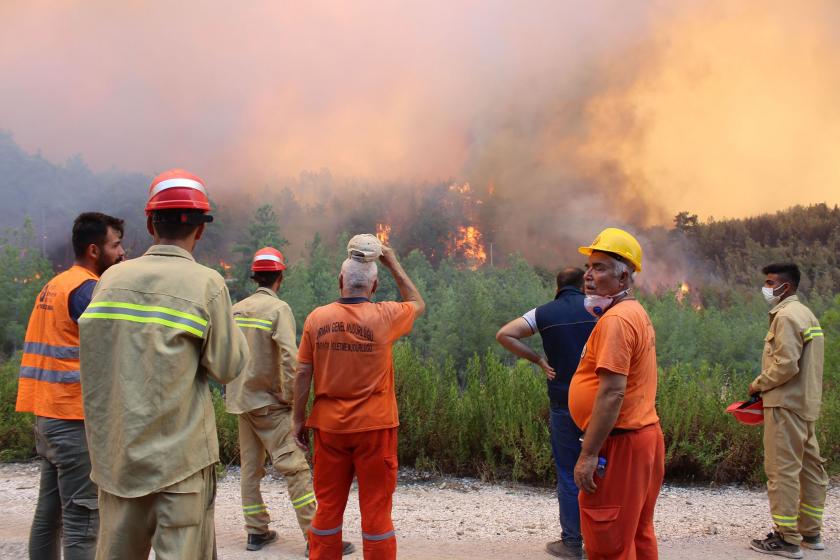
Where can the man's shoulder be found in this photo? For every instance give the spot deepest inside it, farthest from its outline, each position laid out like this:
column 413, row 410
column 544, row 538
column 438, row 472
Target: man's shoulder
column 796, row 312
column 173, row 277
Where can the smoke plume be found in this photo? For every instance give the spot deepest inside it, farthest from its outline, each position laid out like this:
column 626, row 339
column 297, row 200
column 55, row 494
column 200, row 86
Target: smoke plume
column 568, row 116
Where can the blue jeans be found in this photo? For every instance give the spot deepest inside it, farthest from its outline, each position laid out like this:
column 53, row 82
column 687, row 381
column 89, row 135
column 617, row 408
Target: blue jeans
column 565, row 446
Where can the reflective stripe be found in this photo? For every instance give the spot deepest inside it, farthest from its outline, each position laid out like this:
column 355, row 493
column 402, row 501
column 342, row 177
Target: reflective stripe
column 254, row 509
column 177, row 182
column 810, row 334
column 811, row 513
column 50, row 351
column 146, row 314
column 250, row 320
column 381, row 537
column 304, row 500
column 260, row 327
column 274, row 258
column 248, row 323
column 325, row 532
column 812, row 508
column 785, row 520
column 49, row 375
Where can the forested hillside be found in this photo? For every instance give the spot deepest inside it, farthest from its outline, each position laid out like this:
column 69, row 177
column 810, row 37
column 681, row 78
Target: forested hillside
column 466, row 405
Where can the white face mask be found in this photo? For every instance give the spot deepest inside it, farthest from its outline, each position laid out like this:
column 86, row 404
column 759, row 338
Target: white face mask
column 770, row 295
column 598, row 305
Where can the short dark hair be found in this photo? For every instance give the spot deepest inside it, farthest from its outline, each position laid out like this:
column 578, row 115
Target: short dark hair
column 266, row 278
column 92, row 228
column 570, row 277
column 171, row 224
column 788, row 271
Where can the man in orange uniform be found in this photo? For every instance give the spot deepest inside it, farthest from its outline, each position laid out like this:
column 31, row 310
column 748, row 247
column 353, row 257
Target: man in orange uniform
column 612, row 399
column 346, row 347
column 49, row 386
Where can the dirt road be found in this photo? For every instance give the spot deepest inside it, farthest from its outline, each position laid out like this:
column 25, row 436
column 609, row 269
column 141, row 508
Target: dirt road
column 447, row 518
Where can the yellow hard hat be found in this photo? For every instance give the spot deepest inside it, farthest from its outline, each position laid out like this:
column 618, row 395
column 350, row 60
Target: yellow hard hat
column 618, row 242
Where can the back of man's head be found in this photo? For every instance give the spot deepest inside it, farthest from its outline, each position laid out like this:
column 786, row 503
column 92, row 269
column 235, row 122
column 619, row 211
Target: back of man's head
column 92, row 228
column 787, row 272
column 570, row 276
column 358, row 277
column 176, row 225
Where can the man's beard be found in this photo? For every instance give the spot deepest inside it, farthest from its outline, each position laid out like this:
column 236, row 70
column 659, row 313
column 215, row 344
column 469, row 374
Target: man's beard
column 103, row 264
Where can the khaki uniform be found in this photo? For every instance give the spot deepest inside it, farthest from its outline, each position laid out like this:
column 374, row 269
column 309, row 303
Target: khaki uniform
column 791, row 389
column 262, row 398
column 158, row 328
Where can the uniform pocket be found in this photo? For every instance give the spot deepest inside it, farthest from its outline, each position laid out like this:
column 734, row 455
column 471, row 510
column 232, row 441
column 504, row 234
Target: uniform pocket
column 180, row 505
column 603, row 524
column 391, row 464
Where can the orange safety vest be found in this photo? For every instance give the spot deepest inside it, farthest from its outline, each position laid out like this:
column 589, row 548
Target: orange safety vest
column 49, row 383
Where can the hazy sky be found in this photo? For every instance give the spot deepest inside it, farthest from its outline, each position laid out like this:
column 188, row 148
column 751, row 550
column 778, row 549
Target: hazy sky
column 628, row 110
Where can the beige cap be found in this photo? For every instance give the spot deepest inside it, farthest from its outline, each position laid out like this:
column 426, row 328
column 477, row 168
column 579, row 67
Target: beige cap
column 364, row 247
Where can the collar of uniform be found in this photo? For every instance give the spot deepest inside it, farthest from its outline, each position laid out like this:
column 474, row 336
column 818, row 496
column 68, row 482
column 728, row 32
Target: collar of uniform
column 567, row 289
column 352, row 300
column 169, row 251
column 268, row 291
column 781, row 304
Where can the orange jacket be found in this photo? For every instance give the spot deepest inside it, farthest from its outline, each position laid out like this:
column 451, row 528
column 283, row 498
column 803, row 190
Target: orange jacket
column 49, row 383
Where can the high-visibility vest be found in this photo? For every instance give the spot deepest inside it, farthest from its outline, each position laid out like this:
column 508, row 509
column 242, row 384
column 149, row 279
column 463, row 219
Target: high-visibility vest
column 49, row 382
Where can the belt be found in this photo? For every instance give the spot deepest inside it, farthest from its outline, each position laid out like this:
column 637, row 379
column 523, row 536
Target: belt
column 616, row 432
column 622, row 431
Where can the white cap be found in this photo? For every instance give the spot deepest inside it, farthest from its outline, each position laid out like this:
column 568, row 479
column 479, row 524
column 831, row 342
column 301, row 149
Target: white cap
column 364, row 247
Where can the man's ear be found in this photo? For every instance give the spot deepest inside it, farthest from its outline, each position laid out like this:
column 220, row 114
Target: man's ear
column 341, row 282
column 199, row 231
column 375, row 285
column 149, row 227
column 93, row 251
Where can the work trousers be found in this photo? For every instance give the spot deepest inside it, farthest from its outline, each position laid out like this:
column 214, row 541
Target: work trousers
column 269, row 429
column 565, row 446
column 67, row 507
column 372, row 457
column 796, row 477
column 617, row 519
column 177, row 521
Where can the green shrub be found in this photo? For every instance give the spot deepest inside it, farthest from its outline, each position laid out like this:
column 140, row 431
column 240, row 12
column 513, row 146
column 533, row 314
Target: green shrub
column 228, row 429
column 17, row 440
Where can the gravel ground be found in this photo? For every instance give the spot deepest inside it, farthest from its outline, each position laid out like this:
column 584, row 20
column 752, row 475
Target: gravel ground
column 459, row 518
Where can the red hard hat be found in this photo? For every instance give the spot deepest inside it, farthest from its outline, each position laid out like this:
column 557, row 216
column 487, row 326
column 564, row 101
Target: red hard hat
column 177, row 189
column 268, row 259
column 749, row 412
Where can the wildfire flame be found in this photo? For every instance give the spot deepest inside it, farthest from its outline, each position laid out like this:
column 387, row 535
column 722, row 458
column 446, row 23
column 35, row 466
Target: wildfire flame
column 33, row 278
column 383, row 233
column 469, row 244
column 461, row 189
column 694, row 297
column 683, row 291
column 226, row 267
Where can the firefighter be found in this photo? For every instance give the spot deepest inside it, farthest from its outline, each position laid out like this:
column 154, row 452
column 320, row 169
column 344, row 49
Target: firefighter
column 346, row 349
column 262, row 399
column 612, row 398
column 66, row 515
column 790, row 385
column 158, row 329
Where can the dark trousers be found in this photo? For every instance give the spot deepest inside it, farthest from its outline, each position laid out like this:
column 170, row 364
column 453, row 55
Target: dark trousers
column 565, row 446
column 67, row 514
